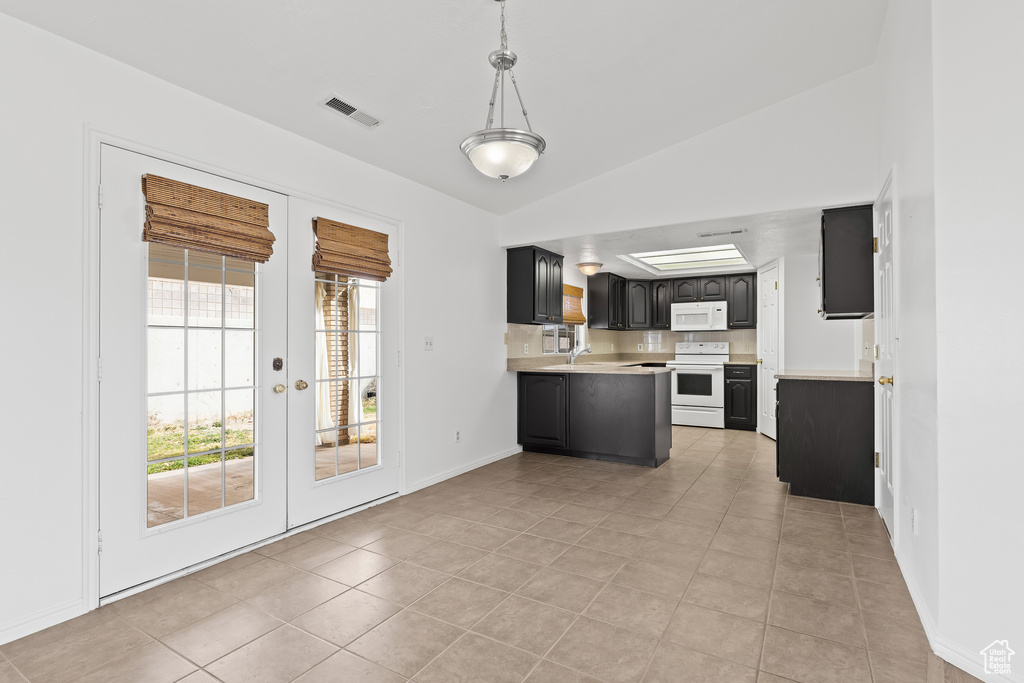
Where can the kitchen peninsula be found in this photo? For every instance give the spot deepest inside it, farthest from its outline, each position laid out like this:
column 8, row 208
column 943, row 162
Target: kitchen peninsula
column 613, row 411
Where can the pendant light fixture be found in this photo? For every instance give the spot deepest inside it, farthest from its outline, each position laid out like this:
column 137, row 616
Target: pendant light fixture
column 503, row 152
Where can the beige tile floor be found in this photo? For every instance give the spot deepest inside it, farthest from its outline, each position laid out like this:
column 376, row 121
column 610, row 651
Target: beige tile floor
column 536, row 568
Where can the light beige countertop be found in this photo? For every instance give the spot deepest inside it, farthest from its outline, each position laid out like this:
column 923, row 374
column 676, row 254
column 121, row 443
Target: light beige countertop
column 741, row 362
column 827, row 375
column 600, row 368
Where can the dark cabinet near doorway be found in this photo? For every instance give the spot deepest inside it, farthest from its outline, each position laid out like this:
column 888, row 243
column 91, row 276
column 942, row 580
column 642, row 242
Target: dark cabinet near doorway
column 638, row 304
column 741, row 295
column 661, row 304
column 534, row 286
column 607, row 307
column 543, row 409
column 826, row 437
column 740, row 397
column 846, row 271
column 709, row 288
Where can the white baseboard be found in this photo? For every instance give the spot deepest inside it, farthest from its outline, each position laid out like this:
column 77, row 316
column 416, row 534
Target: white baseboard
column 955, row 654
column 19, row 628
column 456, row 471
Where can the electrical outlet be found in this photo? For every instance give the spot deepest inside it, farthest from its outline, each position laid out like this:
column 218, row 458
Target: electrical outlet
column 913, row 520
column 526, row 349
column 428, row 343
column 639, row 347
column 458, row 436
column 506, row 339
column 613, row 347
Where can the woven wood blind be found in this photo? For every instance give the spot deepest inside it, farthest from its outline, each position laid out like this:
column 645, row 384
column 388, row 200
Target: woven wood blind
column 192, row 217
column 350, row 251
column 572, row 305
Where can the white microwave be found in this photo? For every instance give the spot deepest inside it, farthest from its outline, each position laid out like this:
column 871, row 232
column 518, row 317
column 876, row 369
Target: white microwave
column 699, row 316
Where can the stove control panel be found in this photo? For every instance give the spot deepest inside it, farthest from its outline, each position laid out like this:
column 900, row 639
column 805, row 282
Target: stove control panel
column 700, row 348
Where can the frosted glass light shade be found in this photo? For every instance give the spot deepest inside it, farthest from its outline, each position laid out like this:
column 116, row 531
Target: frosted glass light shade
column 503, row 152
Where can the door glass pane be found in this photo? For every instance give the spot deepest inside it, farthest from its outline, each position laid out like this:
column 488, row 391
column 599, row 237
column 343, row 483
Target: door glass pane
column 165, row 493
column 346, row 349
column 200, row 379
column 204, row 356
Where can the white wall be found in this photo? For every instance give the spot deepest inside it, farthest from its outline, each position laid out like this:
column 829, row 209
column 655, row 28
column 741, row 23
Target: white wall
column 454, row 286
column 979, row 225
column 818, row 148
column 905, row 70
column 810, row 342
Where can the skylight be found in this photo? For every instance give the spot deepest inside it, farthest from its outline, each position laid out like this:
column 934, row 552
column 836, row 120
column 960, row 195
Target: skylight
column 698, row 257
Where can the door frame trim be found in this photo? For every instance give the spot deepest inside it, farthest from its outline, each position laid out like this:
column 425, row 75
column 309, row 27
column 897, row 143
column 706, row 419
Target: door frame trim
column 94, row 137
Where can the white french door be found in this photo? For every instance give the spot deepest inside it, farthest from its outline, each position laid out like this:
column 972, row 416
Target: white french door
column 343, row 336
column 208, row 440
column 192, row 436
column 886, row 345
column 767, row 347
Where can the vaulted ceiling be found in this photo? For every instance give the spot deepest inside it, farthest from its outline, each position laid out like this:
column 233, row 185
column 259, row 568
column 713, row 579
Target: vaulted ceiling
column 606, row 82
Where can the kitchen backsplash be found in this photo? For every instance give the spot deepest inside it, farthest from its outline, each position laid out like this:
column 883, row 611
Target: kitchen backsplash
column 524, row 341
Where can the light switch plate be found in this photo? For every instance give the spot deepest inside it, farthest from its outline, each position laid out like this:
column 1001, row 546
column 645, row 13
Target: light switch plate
column 428, row 343
column 526, row 349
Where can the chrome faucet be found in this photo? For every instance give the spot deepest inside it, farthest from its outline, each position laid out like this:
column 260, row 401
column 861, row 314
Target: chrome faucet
column 576, row 353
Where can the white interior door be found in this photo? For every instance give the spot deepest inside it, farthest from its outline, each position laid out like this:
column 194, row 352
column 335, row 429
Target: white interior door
column 192, row 436
column 886, row 345
column 767, row 347
column 343, row 338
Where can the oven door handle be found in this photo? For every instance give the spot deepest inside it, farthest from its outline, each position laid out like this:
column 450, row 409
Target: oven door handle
column 712, row 368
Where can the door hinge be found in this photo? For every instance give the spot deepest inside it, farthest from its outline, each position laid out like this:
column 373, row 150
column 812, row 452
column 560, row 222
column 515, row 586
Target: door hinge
column 399, row 358
column 876, row 458
column 776, row 284
column 99, row 194
column 99, row 543
column 874, row 242
column 876, row 351
column 99, row 369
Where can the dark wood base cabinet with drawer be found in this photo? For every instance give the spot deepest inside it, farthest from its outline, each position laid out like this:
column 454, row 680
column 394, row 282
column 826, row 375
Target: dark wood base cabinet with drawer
column 826, row 439
column 614, row 417
column 740, row 397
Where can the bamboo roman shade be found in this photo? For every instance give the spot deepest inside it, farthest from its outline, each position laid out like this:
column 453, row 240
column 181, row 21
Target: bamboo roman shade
column 350, row 251
column 193, row 217
column 572, row 305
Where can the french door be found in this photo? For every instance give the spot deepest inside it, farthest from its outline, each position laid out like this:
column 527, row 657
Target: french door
column 206, row 438
column 343, row 340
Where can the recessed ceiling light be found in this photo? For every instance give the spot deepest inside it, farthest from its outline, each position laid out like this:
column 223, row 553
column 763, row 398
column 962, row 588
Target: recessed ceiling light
column 719, row 256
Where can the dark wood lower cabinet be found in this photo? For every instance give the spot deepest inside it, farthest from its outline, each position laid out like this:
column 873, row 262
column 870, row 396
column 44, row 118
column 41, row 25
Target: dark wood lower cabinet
column 542, row 408
column 614, row 417
column 741, row 397
column 826, row 439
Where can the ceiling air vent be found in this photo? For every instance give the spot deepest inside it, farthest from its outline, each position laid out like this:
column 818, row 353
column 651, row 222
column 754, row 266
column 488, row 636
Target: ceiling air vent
column 723, row 232
column 339, row 105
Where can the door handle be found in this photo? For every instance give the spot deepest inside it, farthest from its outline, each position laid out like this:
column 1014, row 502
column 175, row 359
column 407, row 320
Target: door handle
column 886, row 380
column 301, row 384
column 280, row 388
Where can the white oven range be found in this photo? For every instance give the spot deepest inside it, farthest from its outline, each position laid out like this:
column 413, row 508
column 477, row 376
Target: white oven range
column 698, row 384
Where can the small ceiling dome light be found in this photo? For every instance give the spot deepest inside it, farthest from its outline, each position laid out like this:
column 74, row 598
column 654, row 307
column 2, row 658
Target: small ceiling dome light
column 503, row 152
column 589, row 268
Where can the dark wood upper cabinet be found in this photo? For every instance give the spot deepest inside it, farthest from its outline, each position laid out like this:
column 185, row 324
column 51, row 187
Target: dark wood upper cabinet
column 741, row 295
column 607, row 305
column 638, row 299
column 686, row 290
column 846, row 269
column 713, row 288
column 661, row 304
column 534, row 286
